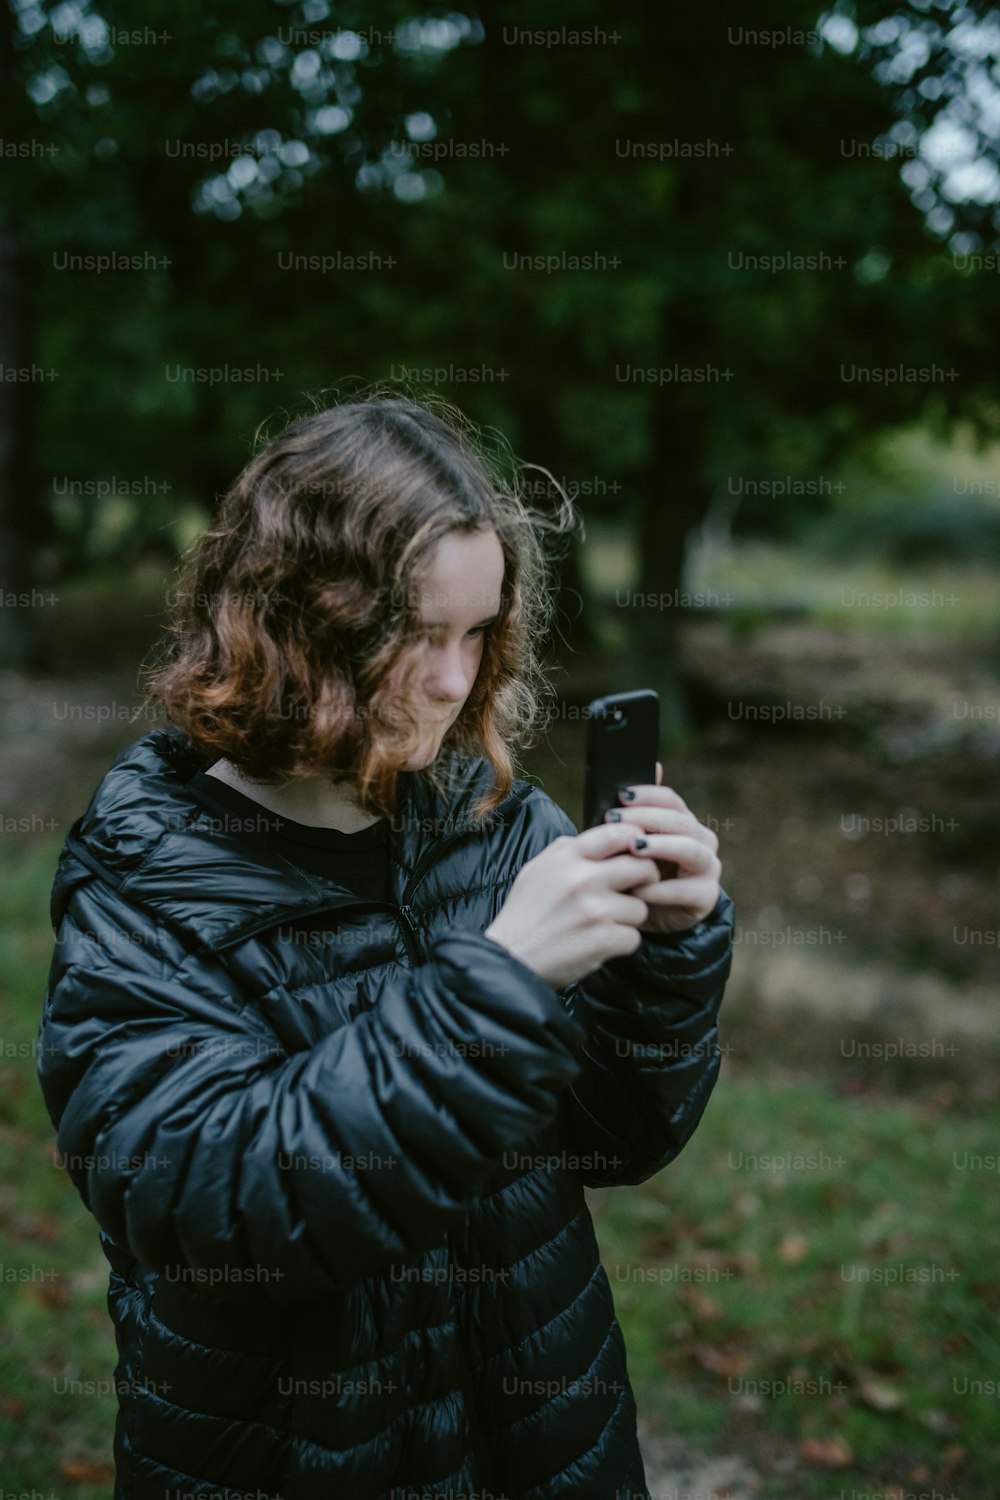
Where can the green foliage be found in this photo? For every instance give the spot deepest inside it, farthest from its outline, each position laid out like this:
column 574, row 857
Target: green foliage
column 949, row 529
column 563, row 167
column 56, row 1329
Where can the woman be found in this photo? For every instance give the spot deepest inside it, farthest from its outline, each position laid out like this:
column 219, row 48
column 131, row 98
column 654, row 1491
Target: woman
column 343, row 1016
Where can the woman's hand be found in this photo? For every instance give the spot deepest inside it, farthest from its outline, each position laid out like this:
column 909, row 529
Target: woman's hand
column 678, row 840
column 573, row 906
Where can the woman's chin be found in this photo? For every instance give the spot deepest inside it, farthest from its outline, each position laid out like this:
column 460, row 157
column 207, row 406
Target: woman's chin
column 427, row 751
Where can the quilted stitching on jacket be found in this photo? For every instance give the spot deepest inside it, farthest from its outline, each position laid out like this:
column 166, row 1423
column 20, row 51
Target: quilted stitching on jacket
column 296, row 1318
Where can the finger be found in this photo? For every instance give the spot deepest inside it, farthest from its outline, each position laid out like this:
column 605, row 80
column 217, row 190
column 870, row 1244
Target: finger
column 628, row 908
column 664, row 820
column 692, row 891
column 660, row 796
column 693, row 857
column 608, row 838
column 624, row 871
column 659, row 773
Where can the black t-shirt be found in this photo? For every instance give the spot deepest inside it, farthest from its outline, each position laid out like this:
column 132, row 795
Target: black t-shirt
column 359, row 861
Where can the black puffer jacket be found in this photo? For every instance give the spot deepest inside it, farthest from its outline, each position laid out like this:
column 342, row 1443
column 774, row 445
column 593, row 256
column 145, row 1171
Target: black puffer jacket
column 337, row 1149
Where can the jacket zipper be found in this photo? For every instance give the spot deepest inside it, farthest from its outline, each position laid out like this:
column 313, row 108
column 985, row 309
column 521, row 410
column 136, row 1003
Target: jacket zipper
column 407, row 926
column 434, row 852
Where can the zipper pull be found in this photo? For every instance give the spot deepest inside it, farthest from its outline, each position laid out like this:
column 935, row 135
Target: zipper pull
column 410, row 934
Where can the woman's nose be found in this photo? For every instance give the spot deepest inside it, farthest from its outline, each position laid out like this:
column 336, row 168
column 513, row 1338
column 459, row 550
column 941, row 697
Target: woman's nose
column 449, row 681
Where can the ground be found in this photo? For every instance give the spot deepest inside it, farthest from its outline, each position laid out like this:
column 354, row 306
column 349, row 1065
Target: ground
column 873, row 930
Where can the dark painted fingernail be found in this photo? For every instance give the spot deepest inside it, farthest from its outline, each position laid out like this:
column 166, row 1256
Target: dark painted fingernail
column 614, row 817
column 627, row 793
column 641, row 843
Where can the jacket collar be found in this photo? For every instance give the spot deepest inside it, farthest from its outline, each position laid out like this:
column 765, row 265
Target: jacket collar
column 145, row 834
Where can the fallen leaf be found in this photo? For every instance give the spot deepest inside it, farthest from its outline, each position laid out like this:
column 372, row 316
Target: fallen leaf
column 937, row 1101
column 880, row 1396
column 723, row 1261
column 82, row 1469
column 658, row 1246
column 831, row 1453
column 939, row 1422
column 700, row 1303
column 54, row 1294
column 722, row 1361
column 793, row 1249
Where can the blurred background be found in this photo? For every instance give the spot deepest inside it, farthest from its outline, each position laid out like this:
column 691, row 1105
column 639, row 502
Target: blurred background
column 730, row 276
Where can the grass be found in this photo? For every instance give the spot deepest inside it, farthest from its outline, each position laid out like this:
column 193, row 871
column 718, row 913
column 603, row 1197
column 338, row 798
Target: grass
column 827, row 1269
column 56, row 1330
column 728, row 1270
column 858, row 595
column 904, row 478
column 950, row 601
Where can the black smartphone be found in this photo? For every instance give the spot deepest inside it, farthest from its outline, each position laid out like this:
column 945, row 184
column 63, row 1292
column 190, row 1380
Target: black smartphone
column 623, row 735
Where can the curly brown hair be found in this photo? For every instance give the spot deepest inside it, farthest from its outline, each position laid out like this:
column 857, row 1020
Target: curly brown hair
column 294, row 606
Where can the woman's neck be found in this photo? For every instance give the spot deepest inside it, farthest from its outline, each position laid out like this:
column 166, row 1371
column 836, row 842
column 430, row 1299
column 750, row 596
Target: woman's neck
column 313, row 800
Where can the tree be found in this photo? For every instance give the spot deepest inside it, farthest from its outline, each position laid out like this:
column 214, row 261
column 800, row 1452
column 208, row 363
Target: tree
column 751, row 238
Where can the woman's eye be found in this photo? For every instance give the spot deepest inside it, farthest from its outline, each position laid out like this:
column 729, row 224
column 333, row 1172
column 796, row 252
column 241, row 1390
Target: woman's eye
column 428, row 635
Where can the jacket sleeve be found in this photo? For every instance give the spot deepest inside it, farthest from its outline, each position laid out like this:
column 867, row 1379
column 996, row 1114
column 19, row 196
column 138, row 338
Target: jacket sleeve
column 216, row 1157
column 651, row 1057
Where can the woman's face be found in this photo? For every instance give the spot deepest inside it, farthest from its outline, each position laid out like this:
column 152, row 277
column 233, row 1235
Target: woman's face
column 457, row 596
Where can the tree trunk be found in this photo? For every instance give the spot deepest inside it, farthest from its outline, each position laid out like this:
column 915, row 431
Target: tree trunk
column 573, row 625
column 675, row 501
column 22, row 638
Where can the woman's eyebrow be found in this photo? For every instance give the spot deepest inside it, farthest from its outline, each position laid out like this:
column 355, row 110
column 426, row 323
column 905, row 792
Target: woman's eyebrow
column 441, row 624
